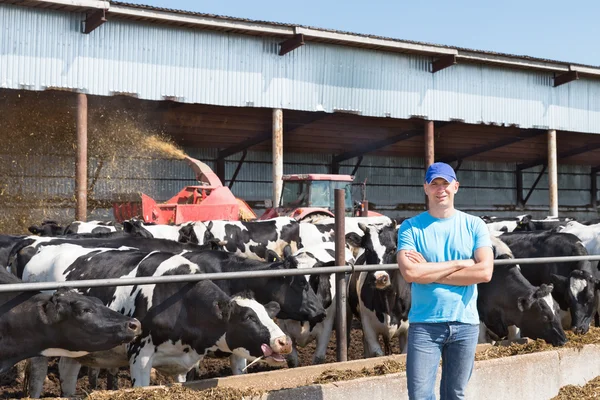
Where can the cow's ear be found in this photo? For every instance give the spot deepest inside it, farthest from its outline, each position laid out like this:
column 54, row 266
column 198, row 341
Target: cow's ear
column 560, row 282
column 127, row 226
column 524, row 303
column 222, row 310
column 526, row 218
column 271, row 256
column 34, row 229
column 353, row 239
column 209, row 226
column 272, row 309
column 363, row 227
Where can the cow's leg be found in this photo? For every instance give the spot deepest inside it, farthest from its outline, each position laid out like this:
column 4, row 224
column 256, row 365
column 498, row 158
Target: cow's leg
column 483, row 335
column 514, row 332
column 370, row 336
column 68, row 369
column 112, row 379
column 325, row 336
column 140, row 364
column 35, row 374
column 237, row 364
column 292, row 358
column 93, row 377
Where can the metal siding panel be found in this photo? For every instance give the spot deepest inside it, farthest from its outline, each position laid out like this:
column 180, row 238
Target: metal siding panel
column 44, row 48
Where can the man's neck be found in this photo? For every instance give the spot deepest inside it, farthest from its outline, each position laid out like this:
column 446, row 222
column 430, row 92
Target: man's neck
column 441, row 212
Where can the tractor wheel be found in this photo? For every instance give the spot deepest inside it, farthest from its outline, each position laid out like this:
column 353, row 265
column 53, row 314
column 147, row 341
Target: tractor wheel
column 314, row 217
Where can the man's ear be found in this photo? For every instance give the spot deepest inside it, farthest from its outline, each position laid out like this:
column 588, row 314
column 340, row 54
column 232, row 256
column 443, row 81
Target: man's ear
column 456, row 185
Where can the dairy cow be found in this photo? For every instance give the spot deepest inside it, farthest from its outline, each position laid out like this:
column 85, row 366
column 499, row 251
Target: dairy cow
column 181, row 321
column 380, row 299
column 575, row 283
column 250, row 239
column 510, row 306
column 58, row 324
column 304, row 331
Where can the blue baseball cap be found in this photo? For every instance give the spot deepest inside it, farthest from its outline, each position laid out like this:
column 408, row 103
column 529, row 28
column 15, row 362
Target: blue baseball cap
column 440, row 170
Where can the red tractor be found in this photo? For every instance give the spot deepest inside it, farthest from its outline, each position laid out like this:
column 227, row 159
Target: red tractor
column 311, row 197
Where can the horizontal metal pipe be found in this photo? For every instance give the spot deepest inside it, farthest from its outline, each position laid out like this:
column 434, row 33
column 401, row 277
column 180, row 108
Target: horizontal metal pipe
column 150, row 280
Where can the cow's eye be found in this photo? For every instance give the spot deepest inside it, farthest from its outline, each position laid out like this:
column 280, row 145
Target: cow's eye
column 249, row 317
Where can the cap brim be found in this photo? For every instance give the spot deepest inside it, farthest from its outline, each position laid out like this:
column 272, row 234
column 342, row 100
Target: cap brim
column 447, row 178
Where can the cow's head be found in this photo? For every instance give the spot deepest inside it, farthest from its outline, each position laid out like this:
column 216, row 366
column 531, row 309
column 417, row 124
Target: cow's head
column 525, row 224
column 371, row 248
column 73, row 322
column 187, row 234
column 540, row 317
column 251, row 332
column 579, row 292
column 135, row 227
column 293, row 293
column 321, row 284
column 47, row 228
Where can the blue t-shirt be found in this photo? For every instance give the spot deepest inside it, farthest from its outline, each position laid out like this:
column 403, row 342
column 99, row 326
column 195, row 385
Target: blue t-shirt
column 446, row 239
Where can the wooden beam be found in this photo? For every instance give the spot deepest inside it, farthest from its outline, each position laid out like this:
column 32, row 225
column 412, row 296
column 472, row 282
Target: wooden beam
column 523, row 135
column 565, row 78
column 443, row 63
column 537, row 180
column 237, row 169
column 263, row 137
column 291, row 44
column 93, row 21
column 361, row 150
column 561, row 155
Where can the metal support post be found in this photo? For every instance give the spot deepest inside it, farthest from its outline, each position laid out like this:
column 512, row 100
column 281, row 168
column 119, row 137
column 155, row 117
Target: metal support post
column 277, row 155
column 81, row 159
column 552, row 174
column 340, row 277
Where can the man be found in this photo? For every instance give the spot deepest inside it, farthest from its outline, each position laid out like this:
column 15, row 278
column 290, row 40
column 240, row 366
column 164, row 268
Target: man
column 444, row 253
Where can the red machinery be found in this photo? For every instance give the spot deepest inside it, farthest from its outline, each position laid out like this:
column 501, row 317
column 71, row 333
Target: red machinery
column 208, row 201
column 310, row 197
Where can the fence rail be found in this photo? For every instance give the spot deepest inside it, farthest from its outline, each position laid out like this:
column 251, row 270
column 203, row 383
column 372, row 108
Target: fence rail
column 151, row 280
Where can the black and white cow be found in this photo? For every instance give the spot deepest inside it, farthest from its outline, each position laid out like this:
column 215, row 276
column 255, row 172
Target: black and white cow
column 503, row 224
column 380, row 300
column 529, row 224
column 27, row 247
column 588, row 234
column 47, row 228
column 181, row 322
column 58, row 324
column 6, row 244
column 575, row 283
column 510, row 306
column 92, row 227
column 252, row 239
column 304, row 332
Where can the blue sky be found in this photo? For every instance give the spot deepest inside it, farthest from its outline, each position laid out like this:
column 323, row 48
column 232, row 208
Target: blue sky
column 562, row 31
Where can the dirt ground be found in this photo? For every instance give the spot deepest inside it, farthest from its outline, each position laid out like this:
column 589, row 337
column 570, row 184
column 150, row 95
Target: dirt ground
column 11, row 384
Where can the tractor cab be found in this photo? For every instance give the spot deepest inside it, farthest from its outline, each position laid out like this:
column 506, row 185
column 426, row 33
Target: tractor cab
column 310, row 197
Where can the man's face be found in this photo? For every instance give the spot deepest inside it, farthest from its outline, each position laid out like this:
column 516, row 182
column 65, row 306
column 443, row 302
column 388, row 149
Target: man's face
column 441, row 192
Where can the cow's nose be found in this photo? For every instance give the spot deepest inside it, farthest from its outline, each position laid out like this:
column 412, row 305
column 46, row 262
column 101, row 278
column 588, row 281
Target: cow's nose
column 135, row 326
column 283, row 345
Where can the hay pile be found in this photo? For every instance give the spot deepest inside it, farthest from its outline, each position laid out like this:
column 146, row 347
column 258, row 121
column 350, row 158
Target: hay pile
column 336, row 375
column 571, row 392
column 175, row 392
column 575, row 341
column 37, row 160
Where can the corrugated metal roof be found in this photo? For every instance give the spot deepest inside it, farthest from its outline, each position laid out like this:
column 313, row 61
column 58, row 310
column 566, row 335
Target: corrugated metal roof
column 44, row 49
column 291, row 25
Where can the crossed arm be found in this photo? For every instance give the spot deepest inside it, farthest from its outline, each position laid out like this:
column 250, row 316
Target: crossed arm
column 415, row 268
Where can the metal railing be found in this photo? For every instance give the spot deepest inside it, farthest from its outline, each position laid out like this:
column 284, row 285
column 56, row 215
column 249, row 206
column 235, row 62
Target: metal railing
column 151, row 280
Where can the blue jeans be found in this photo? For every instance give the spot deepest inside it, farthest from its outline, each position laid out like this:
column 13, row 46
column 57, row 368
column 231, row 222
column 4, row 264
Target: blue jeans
column 455, row 343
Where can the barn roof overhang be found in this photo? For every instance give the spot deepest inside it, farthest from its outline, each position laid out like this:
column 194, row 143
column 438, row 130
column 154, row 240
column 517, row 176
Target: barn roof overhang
column 298, row 34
